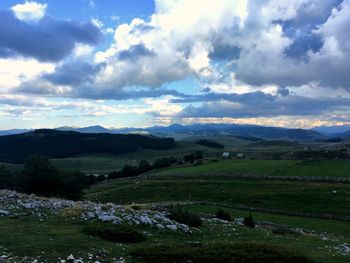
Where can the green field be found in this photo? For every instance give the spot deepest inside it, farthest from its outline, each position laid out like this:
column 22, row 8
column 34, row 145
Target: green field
column 203, row 189
column 324, row 168
column 99, row 163
column 57, row 237
column 317, row 198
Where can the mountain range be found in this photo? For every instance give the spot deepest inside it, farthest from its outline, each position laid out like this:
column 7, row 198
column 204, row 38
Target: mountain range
column 177, row 130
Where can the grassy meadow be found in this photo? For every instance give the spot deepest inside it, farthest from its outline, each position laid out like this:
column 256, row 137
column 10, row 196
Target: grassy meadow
column 203, row 189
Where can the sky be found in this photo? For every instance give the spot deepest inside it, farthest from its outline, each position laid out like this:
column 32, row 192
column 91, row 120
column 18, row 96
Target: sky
column 140, row 63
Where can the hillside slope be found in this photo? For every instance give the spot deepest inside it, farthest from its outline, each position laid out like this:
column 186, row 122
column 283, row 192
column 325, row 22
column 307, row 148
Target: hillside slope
column 60, row 144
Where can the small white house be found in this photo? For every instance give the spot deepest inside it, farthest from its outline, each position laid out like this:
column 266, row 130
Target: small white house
column 226, row 155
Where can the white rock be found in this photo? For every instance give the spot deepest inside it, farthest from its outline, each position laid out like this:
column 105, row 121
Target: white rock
column 70, row 257
column 4, row 212
column 172, row 227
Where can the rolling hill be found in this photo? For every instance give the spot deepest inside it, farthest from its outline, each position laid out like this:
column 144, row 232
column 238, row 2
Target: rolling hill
column 181, row 131
column 60, row 144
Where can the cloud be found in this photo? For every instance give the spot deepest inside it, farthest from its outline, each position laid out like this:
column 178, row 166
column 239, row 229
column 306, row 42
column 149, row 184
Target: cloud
column 47, row 40
column 30, row 11
column 259, row 104
column 73, row 73
column 255, row 58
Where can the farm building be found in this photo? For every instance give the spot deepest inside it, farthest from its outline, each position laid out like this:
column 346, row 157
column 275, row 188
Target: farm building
column 226, row 155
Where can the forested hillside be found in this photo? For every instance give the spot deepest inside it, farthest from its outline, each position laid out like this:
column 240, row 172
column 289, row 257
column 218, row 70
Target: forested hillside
column 60, row 144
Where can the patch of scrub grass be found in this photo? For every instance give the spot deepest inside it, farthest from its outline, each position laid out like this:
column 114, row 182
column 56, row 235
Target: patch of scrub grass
column 220, row 253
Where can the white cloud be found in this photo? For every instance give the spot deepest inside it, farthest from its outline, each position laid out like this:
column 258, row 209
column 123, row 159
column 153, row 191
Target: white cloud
column 15, row 71
column 82, row 50
column 30, row 11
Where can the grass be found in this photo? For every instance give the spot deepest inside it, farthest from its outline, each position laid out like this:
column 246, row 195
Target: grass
column 341, row 229
column 102, row 164
column 58, row 236
column 220, row 253
column 317, row 198
column 324, row 168
column 115, row 233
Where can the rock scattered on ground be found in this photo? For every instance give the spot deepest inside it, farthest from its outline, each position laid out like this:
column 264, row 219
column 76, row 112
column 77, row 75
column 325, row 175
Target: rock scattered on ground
column 15, row 204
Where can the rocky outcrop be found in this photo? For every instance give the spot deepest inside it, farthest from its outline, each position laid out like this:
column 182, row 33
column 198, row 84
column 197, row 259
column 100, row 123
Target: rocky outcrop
column 15, row 204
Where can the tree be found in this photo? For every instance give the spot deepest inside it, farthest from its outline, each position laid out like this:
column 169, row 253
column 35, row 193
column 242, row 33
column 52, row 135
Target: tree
column 144, row 166
column 198, row 155
column 40, row 176
column 71, row 184
column 6, row 180
column 162, row 163
column 189, row 158
column 249, row 221
column 128, row 170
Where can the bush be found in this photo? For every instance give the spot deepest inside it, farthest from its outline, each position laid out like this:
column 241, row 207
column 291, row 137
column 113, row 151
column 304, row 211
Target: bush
column 136, row 207
column 6, row 179
column 249, row 221
column 114, row 175
column 184, row 217
column 71, row 184
column 224, row 215
column 283, row 231
column 162, row 163
column 144, row 166
column 219, row 253
column 129, row 171
column 198, row 155
column 189, row 158
column 115, row 233
column 40, row 176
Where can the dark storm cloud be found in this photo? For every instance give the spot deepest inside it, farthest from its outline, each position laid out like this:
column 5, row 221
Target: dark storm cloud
column 47, row 40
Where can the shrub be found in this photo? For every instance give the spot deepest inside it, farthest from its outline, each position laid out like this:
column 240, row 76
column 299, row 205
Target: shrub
column 283, row 231
column 136, row 207
column 224, row 215
column 249, row 221
column 184, row 217
column 129, row 171
column 115, row 233
column 6, row 179
column 219, row 253
column 162, row 163
column 40, row 176
column 189, row 158
column 115, row 175
column 71, row 184
column 198, row 155
column 144, row 166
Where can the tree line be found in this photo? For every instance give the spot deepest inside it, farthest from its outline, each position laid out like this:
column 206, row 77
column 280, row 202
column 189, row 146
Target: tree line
column 41, row 177
column 144, row 166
